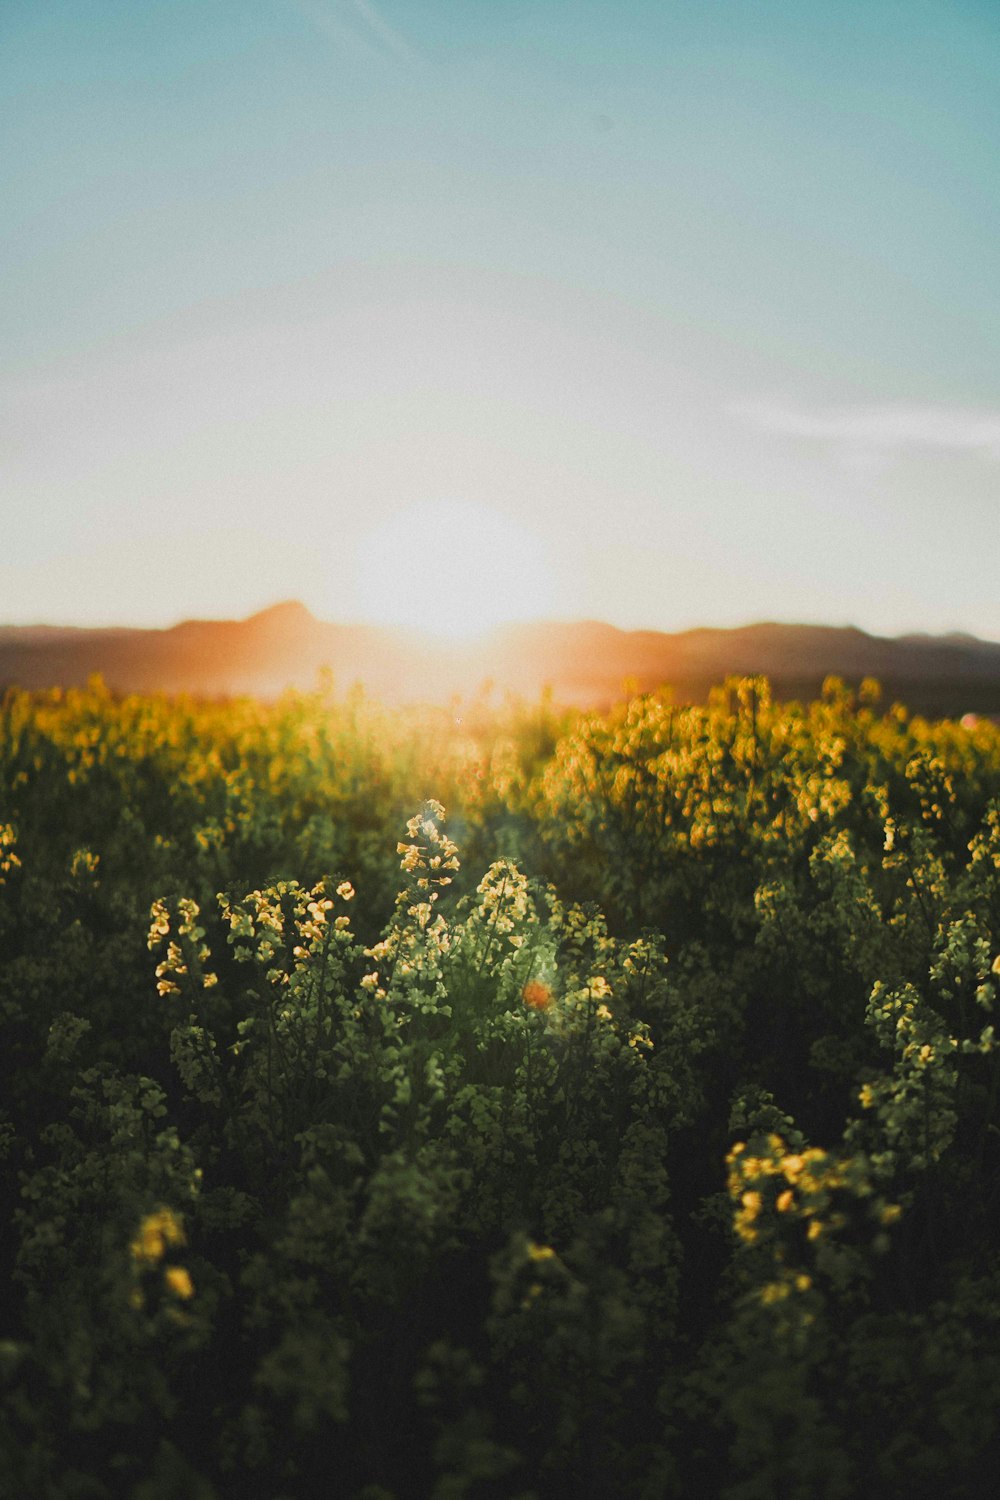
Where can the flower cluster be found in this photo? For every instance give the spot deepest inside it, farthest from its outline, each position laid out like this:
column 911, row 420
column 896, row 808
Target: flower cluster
column 160, row 1233
column 412, row 951
column 187, row 952
column 8, row 859
column 804, row 1203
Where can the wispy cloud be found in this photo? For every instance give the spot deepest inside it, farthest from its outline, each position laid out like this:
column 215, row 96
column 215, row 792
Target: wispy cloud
column 386, row 34
column 357, row 26
column 881, row 428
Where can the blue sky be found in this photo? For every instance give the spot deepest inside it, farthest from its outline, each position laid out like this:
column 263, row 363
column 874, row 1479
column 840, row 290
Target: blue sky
column 699, row 301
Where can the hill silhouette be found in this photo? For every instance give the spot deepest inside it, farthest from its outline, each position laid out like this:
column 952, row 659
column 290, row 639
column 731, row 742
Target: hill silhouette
column 583, row 663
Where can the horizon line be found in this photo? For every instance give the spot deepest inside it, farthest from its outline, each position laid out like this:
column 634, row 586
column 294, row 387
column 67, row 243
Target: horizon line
column 477, row 637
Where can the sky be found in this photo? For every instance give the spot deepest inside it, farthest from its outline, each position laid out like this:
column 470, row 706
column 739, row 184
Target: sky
column 661, row 312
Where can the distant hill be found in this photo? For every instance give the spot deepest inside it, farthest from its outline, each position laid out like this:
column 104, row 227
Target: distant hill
column 584, row 663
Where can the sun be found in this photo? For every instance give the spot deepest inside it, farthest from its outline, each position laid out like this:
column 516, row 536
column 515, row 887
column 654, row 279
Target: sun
column 454, row 569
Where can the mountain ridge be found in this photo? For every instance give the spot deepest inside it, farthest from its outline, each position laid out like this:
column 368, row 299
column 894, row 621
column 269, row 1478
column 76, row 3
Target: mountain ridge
column 584, row 662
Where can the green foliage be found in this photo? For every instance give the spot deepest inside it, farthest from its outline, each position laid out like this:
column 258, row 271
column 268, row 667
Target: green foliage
column 633, row 1131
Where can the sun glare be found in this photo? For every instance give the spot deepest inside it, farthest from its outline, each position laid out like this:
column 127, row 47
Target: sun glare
column 452, row 569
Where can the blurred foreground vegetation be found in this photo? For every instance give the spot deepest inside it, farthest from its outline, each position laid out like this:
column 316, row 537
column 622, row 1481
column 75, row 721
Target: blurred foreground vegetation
column 498, row 1104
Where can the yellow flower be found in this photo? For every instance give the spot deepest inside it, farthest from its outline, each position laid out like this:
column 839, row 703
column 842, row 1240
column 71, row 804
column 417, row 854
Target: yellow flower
column 540, row 1252
column 774, row 1291
column 179, row 1282
column 157, row 1232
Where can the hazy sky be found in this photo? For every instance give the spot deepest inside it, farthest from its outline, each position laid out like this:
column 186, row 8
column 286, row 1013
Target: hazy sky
column 691, row 310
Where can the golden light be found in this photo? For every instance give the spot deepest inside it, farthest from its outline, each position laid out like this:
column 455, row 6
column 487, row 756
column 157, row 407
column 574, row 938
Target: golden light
column 453, row 569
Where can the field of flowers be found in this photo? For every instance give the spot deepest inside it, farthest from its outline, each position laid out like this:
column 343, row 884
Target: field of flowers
column 512, row 1106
